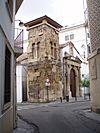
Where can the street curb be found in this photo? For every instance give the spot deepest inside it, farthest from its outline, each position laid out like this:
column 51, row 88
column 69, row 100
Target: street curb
column 91, row 115
column 87, row 113
column 35, row 127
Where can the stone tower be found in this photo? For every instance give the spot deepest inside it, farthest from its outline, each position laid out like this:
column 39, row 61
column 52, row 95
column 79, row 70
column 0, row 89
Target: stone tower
column 44, row 64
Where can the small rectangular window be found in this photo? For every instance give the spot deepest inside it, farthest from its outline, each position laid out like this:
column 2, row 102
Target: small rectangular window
column 71, row 36
column 66, row 37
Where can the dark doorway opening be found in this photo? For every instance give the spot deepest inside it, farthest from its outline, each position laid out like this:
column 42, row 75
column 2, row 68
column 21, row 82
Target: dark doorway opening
column 73, row 83
column 24, row 91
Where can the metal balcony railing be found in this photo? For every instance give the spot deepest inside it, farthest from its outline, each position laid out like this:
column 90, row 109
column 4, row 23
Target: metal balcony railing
column 18, row 42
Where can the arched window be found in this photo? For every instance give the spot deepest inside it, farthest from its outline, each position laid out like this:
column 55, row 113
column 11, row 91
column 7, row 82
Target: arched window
column 33, row 50
column 55, row 52
column 38, row 51
column 51, row 48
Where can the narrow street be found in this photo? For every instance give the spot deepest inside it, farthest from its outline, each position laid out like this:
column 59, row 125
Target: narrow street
column 73, row 117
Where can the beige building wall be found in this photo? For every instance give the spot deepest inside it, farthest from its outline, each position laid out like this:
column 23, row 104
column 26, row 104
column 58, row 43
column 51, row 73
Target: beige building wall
column 94, row 58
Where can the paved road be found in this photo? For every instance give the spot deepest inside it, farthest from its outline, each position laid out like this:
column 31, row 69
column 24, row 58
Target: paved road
column 61, row 118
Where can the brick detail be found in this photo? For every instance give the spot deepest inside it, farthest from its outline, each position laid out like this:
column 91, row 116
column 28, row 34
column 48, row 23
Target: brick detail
column 94, row 22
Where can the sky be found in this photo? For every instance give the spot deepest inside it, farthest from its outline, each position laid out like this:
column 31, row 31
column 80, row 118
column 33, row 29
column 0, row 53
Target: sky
column 65, row 12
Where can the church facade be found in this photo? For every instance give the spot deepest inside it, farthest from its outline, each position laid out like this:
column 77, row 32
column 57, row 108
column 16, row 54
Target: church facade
column 71, row 75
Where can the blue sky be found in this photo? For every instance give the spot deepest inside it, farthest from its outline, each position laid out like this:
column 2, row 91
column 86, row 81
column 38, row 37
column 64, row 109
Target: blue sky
column 65, row 12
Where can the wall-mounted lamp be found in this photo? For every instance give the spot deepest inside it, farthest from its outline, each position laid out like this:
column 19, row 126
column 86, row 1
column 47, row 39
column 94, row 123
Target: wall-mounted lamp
column 20, row 23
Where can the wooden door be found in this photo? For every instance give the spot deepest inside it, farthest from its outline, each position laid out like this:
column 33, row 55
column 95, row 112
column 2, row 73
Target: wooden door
column 73, row 83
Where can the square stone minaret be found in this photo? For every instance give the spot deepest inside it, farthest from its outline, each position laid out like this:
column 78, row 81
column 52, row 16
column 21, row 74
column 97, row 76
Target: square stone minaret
column 44, row 64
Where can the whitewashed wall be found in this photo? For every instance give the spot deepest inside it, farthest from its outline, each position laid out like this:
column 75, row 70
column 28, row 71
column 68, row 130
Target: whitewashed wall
column 19, row 83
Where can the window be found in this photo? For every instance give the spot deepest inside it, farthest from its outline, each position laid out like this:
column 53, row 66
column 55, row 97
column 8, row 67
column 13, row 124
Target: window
column 7, row 88
column 38, row 45
column 66, row 37
column 51, row 48
column 33, row 50
column 71, row 36
column 55, row 52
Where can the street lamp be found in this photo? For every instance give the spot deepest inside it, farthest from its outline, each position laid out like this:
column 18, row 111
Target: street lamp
column 21, row 24
column 47, row 84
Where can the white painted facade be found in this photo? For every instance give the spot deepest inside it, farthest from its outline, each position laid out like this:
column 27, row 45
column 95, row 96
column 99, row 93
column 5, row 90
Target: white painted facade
column 21, row 71
column 19, row 83
column 79, row 40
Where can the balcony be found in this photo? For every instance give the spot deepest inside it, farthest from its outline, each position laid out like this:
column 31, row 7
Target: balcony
column 18, row 43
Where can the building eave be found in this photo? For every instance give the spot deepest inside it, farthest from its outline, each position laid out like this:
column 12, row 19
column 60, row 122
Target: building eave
column 40, row 20
column 18, row 4
column 72, row 27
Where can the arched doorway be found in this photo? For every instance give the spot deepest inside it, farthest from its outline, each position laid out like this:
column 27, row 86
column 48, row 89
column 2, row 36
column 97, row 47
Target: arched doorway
column 72, row 83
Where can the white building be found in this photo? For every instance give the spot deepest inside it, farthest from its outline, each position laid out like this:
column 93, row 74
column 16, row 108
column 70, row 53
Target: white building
column 21, row 71
column 20, row 65
column 8, row 9
column 78, row 36
column 21, row 78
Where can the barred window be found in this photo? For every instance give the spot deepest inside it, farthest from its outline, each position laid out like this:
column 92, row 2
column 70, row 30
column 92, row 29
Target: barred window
column 7, row 88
